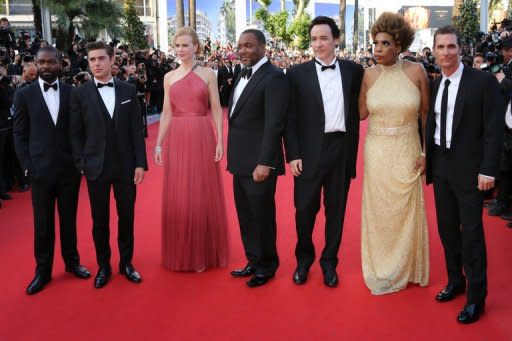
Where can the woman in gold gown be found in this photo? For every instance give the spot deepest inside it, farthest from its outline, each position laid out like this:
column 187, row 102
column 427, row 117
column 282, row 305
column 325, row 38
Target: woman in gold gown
column 394, row 97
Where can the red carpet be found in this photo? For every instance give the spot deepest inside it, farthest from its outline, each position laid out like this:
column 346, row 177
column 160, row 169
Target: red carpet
column 214, row 306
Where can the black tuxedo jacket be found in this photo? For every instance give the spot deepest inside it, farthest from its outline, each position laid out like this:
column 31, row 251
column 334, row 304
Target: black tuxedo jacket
column 42, row 146
column 257, row 123
column 477, row 130
column 88, row 130
column 306, row 117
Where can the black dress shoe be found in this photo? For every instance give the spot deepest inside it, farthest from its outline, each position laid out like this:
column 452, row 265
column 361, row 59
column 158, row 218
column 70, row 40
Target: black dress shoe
column 79, row 271
column 509, row 224
column 506, row 216
column 258, row 280
column 470, row 313
column 497, row 209
column 248, row 270
column 449, row 293
column 331, row 278
column 102, row 277
column 130, row 273
column 300, row 276
column 37, row 284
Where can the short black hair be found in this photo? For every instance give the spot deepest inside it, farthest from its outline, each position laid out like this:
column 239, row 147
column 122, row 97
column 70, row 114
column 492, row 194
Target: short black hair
column 257, row 33
column 50, row 49
column 323, row 20
column 448, row 29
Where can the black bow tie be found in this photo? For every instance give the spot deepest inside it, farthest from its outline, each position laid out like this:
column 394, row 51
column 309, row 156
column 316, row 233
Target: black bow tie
column 246, row 72
column 325, row 67
column 101, row 85
column 47, row 86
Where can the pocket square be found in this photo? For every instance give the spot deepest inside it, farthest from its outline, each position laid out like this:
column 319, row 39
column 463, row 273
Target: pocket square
column 127, row 101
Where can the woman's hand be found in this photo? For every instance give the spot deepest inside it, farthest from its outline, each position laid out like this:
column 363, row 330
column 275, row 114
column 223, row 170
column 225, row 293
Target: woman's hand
column 158, row 155
column 219, row 152
column 420, row 164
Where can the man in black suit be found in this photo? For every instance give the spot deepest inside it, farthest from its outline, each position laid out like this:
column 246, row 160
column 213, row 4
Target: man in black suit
column 226, row 76
column 463, row 140
column 41, row 137
column 257, row 117
column 108, row 147
column 321, row 145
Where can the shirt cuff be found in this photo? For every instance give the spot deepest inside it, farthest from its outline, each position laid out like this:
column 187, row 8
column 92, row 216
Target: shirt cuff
column 487, row 176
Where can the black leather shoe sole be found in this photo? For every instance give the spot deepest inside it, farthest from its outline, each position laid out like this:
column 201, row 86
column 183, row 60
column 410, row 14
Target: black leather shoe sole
column 449, row 293
column 258, row 281
column 249, row 270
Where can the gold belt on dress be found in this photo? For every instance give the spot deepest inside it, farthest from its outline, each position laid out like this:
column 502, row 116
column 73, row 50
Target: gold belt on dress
column 411, row 127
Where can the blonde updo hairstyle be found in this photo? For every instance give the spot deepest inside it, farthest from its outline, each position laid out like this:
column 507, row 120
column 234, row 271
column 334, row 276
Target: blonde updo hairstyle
column 188, row 31
column 394, row 25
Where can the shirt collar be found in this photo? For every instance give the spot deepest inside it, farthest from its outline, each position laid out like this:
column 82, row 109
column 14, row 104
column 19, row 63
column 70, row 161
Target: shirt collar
column 41, row 82
column 456, row 76
column 323, row 64
column 256, row 66
column 97, row 81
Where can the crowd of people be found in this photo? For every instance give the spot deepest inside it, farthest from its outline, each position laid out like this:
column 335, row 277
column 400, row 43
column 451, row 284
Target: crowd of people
column 429, row 114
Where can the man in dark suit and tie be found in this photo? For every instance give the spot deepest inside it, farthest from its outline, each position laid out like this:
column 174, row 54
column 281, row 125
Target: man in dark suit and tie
column 463, row 140
column 107, row 138
column 41, row 137
column 257, row 118
column 321, row 145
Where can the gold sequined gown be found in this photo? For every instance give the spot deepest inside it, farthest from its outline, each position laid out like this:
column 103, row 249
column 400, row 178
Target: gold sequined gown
column 394, row 237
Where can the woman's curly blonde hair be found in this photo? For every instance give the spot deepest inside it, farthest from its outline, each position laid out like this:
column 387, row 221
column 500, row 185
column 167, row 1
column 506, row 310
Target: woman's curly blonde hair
column 394, row 25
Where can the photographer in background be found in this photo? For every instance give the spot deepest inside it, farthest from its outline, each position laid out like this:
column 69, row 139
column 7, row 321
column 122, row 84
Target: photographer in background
column 7, row 41
column 6, row 95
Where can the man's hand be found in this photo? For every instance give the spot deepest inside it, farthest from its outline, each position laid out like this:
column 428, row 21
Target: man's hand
column 296, row 167
column 139, row 175
column 260, row 173
column 485, row 183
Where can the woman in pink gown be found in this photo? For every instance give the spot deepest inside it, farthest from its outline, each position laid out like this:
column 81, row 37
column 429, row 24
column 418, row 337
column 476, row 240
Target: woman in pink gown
column 194, row 223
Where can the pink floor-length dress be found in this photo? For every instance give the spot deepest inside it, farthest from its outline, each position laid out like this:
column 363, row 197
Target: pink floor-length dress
column 194, row 222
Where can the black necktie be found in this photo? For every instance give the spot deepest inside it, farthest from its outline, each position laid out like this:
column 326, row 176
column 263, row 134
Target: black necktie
column 444, row 109
column 325, row 67
column 101, row 85
column 47, row 86
column 247, row 72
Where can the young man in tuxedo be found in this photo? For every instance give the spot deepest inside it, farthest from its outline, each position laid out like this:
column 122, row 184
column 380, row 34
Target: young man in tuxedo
column 108, row 148
column 257, row 117
column 321, row 145
column 464, row 141
column 41, row 137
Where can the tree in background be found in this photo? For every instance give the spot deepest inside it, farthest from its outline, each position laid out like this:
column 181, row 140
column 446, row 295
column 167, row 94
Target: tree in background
column 228, row 11
column 468, row 22
column 343, row 11
column 134, row 30
column 36, row 10
column 355, row 38
column 90, row 17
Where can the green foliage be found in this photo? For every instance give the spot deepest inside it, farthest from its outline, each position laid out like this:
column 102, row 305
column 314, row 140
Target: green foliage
column 90, row 16
column 299, row 32
column 468, row 22
column 276, row 26
column 133, row 28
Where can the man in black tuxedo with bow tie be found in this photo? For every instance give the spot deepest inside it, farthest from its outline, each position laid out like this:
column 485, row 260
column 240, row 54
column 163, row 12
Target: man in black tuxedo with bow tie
column 41, row 137
column 464, row 141
column 257, row 118
column 321, row 145
column 107, row 138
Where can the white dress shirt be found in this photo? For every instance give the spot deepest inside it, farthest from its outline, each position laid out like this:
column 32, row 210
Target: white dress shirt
column 243, row 83
column 332, row 96
column 508, row 117
column 52, row 99
column 108, row 95
column 453, row 89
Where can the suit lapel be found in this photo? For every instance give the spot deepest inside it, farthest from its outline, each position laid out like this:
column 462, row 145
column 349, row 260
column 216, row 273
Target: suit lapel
column 249, row 88
column 346, row 84
column 39, row 94
column 317, row 92
column 63, row 95
column 117, row 91
column 94, row 91
column 459, row 100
